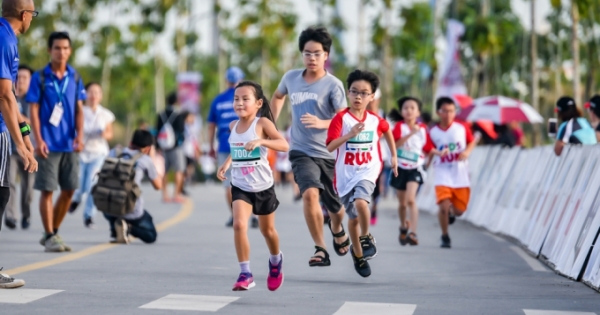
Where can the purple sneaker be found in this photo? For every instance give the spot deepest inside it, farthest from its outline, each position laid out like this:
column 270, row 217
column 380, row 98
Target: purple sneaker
column 244, row 282
column 275, row 277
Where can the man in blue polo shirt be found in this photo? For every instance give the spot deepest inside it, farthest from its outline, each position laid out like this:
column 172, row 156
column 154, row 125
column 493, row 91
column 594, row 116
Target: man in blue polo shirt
column 55, row 96
column 220, row 115
column 16, row 19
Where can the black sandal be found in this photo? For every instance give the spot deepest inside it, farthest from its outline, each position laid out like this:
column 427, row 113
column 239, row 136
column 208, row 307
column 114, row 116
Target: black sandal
column 323, row 261
column 412, row 239
column 337, row 247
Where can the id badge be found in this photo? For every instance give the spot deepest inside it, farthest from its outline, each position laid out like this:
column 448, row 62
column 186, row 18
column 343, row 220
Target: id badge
column 407, row 155
column 57, row 115
column 240, row 157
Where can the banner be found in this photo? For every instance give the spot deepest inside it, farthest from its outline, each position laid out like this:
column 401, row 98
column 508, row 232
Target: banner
column 188, row 91
column 450, row 80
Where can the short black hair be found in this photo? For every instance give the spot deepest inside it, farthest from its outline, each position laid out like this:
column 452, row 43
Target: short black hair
column 443, row 101
column 26, row 67
column 358, row 75
column 426, row 117
column 316, row 34
column 405, row 99
column 58, row 36
column 87, row 86
column 172, row 98
column 142, row 139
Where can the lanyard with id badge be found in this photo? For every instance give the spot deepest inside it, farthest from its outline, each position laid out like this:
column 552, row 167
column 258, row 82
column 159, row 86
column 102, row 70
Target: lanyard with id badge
column 362, row 142
column 241, row 157
column 58, row 111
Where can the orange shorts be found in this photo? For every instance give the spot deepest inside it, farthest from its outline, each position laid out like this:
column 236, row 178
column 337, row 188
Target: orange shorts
column 459, row 197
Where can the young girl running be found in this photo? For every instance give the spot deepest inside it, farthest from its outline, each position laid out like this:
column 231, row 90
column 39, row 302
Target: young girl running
column 252, row 180
column 413, row 143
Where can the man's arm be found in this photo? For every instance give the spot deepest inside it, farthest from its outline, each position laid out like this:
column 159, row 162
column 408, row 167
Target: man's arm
column 79, row 126
column 212, row 130
column 277, row 103
column 10, row 113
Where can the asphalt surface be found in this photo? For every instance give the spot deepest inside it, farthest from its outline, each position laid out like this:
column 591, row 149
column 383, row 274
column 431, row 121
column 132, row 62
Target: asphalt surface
column 193, row 264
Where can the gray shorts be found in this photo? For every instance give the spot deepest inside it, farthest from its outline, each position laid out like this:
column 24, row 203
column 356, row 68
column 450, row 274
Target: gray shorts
column 310, row 172
column 363, row 190
column 221, row 157
column 58, row 169
column 174, row 160
column 4, row 159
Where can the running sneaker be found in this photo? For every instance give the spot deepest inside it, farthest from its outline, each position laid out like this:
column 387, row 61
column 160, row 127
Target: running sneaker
column 73, row 206
column 412, row 239
column 89, row 223
column 403, row 238
column 25, row 223
column 229, row 222
column 6, row 282
column 373, row 220
column 275, row 277
column 368, row 246
column 361, row 265
column 121, row 229
column 254, row 223
column 10, row 223
column 445, row 241
column 451, row 218
column 244, row 282
column 53, row 245
column 67, row 247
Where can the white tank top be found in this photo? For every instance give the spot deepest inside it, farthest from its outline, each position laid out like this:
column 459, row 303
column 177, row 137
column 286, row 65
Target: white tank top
column 250, row 171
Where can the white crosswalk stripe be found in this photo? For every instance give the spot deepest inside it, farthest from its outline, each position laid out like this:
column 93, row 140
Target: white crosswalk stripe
column 184, row 302
column 24, row 296
column 360, row 308
column 547, row 312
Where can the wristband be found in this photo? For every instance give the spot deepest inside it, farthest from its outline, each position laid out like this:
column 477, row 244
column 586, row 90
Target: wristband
column 25, row 129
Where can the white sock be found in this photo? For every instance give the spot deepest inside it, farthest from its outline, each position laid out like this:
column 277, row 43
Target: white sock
column 275, row 259
column 245, row 266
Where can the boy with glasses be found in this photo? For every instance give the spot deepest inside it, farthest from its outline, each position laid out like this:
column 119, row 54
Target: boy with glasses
column 315, row 96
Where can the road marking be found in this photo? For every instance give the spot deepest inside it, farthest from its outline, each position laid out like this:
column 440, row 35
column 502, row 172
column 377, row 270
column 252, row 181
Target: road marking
column 495, row 237
column 184, row 212
column 23, row 296
column 185, row 302
column 535, row 264
column 360, row 308
column 545, row 312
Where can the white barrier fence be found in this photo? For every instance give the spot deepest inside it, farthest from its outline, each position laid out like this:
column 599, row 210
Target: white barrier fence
column 549, row 204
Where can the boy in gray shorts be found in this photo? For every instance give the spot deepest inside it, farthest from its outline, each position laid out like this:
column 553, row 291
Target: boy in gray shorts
column 355, row 133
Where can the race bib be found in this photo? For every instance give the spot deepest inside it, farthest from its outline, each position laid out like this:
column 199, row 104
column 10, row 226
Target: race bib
column 362, row 142
column 408, row 155
column 240, row 157
column 57, row 115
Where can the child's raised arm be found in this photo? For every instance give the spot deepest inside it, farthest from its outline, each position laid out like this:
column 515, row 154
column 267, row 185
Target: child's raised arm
column 275, row 141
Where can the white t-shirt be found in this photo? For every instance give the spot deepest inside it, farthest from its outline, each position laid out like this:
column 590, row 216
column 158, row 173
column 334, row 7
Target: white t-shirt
column 144, row 165
column 94, row 123
column 283, row 163
column 360, row 157
column 449, row 171
column 412, row 153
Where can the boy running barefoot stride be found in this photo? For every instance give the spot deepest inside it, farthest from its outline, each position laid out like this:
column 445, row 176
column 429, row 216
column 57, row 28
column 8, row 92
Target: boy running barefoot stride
column 454, row 143
column 355, row 134
column 316, row 96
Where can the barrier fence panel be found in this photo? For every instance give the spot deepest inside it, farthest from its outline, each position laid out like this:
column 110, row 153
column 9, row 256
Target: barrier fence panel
column 565, row 213
column 480, row 187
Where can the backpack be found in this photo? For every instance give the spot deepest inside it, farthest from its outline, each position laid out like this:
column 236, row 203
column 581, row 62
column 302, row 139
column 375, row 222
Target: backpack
column 116, row 191
column 166, row 134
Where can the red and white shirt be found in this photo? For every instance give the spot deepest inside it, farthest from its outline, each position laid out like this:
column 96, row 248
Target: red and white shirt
column 360, row 157
column 412, row 153
column 449, row 171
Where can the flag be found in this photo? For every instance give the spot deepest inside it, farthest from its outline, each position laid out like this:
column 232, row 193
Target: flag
column 450, row 80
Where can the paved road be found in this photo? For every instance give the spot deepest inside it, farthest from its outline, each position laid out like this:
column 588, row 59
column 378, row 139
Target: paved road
column 193, row 266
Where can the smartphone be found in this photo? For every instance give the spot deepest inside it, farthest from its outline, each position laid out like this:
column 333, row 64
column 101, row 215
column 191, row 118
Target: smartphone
column 552, row 127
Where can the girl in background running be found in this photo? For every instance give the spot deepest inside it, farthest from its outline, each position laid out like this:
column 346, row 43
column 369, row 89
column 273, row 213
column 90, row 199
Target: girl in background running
column 252, row 180
column 412, row 143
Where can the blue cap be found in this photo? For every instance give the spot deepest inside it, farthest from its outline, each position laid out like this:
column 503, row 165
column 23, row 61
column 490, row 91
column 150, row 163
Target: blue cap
column 234, row 75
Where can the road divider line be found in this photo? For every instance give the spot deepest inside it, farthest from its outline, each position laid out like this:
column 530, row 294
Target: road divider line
column 495, row 237
column 184, row 212
column 535, row 264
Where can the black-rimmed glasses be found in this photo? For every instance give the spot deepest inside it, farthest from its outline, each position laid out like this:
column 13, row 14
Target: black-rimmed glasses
column 33, row 13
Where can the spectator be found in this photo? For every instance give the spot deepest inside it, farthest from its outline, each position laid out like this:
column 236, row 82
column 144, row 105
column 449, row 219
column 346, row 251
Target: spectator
column 506, row 137
column 220, row 116
column 573, row 129
column 55, row 97
column 137, row 223
column 191, row 147
column 593, row 107
column 170, row 125
column 17, row 169
column 97, row 131
column 517, row 133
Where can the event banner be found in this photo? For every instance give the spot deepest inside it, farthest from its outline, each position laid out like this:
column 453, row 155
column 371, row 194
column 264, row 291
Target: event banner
column 450, row 80
column 188, row 91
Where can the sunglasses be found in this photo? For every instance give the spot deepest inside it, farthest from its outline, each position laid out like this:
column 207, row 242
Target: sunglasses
column 33, row 13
